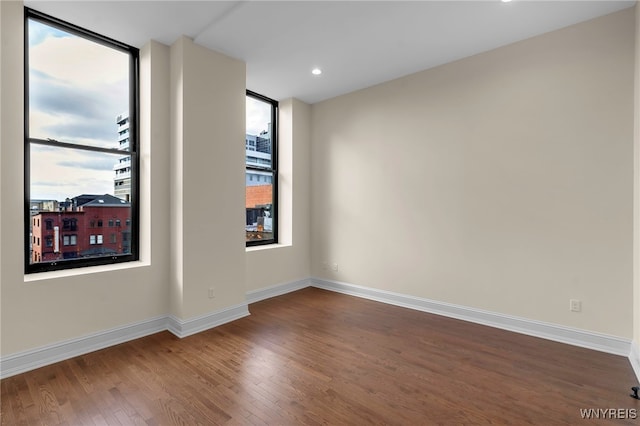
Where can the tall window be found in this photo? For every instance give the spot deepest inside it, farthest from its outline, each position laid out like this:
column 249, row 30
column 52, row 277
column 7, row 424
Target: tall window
column 81, row 102
column 261, row 161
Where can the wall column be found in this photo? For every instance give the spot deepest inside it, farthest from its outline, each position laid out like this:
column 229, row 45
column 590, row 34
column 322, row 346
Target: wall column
column 207, row 186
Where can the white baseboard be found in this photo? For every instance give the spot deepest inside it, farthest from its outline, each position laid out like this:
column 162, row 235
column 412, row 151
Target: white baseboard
column 35, row 358
column 572, row 336
column 634, row 358
column 30, row 360
column 276, row 290
column 184, row 328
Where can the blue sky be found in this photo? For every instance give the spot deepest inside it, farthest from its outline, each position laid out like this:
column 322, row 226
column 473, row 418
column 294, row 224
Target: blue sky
column 38, row 32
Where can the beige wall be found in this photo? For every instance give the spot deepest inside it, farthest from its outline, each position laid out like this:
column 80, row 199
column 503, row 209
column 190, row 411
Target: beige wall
column 209, row 182
column 176, row 182
column 50, row 307
column 290, row 260
column 636, row 192
column 501, row 182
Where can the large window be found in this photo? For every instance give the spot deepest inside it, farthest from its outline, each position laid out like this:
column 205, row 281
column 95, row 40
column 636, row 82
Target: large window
column 261, row 161
column 81, row 145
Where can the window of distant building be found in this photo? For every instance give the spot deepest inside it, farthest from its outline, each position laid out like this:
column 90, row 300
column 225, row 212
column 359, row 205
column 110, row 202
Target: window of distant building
column 69, row 240
column 261, row 169
column 81, row 144
column 70, row 224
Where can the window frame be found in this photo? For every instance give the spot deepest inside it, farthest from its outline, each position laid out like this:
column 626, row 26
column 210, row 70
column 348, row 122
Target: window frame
column 133, row 151
column 273, row 169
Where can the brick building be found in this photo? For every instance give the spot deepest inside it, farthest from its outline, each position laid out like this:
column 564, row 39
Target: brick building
column 85, row 226
column 258, row 196
column 258, row 200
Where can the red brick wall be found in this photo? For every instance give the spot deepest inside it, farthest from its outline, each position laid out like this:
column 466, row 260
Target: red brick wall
column 83, row 232
column 258, row 195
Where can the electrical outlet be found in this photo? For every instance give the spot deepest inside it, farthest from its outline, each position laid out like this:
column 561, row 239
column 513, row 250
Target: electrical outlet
column 212, row 292
column 575, row 305
column 334, row 267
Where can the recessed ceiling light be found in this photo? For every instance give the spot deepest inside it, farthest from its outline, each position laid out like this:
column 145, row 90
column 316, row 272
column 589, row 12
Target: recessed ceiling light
column 506, row 1
column 316, row 71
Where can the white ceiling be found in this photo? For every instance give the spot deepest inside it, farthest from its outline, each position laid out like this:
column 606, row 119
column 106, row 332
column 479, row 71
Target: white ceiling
column 356, row 43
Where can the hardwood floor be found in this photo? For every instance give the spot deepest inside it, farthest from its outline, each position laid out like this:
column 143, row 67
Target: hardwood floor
column 316, row 357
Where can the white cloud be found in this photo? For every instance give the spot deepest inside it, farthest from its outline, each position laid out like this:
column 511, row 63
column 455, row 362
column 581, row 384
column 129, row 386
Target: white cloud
column 258, row 116
column 76, row 89
column 81, row 62
column 57, row 173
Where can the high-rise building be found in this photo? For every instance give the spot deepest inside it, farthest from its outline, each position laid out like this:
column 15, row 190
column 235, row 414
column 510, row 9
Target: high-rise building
column 122, row 178
column 258, row 153
column 259, row 186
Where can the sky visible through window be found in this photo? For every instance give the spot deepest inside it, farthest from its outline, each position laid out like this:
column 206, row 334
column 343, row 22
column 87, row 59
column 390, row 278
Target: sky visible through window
column 258, row 116
column 76, row 89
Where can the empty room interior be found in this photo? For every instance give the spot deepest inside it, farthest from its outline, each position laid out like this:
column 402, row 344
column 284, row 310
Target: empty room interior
column 349, row 212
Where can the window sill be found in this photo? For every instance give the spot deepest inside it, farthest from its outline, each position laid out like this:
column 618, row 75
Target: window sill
column 64, row 273
column 266, row 247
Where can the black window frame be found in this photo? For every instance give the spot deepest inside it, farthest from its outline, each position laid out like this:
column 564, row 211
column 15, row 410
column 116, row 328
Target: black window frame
column 133, row 151
column 273, row 169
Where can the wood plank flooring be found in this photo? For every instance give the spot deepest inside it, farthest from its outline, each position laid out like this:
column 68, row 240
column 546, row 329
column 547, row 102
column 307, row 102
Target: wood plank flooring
column 314, row 357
